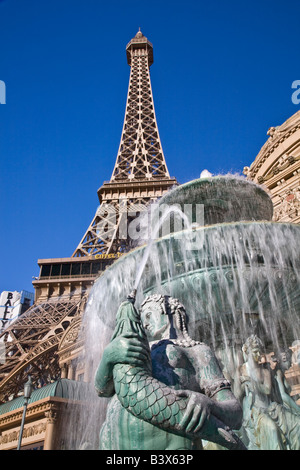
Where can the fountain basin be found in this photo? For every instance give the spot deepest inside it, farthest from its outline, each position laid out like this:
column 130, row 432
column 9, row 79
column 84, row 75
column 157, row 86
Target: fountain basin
column 225, row 199
column 230, row 277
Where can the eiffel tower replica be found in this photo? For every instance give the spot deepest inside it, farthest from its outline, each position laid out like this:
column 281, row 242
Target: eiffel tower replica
column 44, row 341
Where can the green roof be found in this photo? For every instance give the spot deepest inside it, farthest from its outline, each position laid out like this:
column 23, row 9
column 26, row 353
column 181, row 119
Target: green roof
column 63, row 388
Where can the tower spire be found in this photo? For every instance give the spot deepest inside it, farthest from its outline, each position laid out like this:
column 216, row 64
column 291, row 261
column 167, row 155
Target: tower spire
column 140, row 154
column 140, row 175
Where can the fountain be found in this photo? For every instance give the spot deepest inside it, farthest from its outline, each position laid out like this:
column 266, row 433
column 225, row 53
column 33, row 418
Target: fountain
column 237, row 274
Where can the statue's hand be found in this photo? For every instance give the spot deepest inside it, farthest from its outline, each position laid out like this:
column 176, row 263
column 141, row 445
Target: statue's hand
column 197, row 412
column 127, row 349
column 244, row 378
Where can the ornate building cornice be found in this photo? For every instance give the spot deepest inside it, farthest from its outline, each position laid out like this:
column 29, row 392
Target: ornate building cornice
column 277, row 168
column 38, row 416
column 277, row 135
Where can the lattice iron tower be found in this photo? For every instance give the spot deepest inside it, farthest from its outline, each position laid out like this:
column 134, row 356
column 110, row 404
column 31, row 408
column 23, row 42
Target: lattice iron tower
column 40, row 342
column 140, row 175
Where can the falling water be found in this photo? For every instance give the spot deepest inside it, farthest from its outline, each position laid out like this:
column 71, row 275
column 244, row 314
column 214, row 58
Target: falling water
column 154, row 234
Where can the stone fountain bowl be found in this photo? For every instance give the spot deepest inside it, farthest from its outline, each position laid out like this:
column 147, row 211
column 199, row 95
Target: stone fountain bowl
column 225, row 199
column 231, row 277
column 235, row 278
column 236, row 272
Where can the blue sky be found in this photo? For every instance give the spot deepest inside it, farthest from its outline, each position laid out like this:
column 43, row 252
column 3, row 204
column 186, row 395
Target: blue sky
column 222, row 75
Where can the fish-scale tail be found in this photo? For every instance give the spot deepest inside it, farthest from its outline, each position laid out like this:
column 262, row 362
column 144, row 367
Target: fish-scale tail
column 150, row 400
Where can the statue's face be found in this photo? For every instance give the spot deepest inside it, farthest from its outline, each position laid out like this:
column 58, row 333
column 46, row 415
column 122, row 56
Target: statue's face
column 255, row 348
column 285, row 360
column 154, row 321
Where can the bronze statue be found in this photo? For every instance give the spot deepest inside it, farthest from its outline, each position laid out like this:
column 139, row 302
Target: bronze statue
column 270, row 416
column 167, row 390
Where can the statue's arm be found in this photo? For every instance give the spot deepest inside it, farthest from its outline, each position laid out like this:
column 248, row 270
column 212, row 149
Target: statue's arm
column 223, row 403
column 122, row 350
column 227, row 408
column 286, row 398
column 104, row 382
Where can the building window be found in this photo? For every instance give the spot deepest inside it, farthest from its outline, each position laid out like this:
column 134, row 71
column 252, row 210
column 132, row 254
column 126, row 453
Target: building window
column 55, row 271
column 86, row 268
column 76, row 269
column 45, row 270
column 65, row 269
column 96, row 268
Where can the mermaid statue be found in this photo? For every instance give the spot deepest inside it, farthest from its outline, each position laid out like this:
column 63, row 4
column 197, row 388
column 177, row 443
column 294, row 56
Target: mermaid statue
column 167, row 390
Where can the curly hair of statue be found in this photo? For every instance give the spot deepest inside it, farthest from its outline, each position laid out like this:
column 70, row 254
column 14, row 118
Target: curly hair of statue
column 171, row 306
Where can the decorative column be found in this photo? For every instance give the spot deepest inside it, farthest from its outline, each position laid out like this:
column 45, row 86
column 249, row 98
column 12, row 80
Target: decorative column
column 51, row 416
column 70, row 371
column 64, row 371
